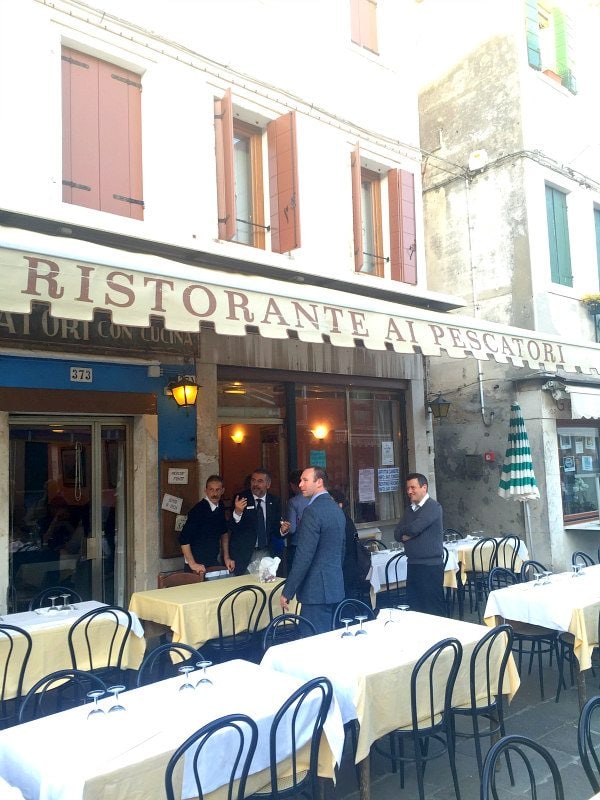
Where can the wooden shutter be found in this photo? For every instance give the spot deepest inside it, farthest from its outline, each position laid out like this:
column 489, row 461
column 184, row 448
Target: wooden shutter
column 356, row 208
column 403, row 227
column 597, row 226
column 558, row 237
column 81, row 144
column 565, row 51
column 225, row 166
column 534, row 55
column 119, row 100
column 283, row 184
column 363, row 23
column 355, row 21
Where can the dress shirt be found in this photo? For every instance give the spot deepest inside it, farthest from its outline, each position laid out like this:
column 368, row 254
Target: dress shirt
column 414, row 506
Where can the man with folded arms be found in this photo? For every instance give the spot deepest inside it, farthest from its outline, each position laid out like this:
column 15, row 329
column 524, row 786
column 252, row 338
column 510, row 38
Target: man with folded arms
column 421, row 531
column 205, row 537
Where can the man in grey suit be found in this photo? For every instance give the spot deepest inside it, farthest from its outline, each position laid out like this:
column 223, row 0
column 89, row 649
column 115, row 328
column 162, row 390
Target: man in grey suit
column 316, row 576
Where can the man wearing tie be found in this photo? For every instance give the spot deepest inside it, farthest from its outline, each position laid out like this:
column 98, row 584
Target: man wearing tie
column 256, row 527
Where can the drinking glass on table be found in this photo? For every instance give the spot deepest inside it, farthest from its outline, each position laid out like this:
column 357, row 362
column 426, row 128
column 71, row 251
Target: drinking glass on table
column 66, row 605
column 95, row 695
column 361, row 618
column 346, row 621
column 204, row 680
column 185, row 671
column 403, row 607
column 115, row 690
column 576, row 570
column 537, row 579
column 53, row 608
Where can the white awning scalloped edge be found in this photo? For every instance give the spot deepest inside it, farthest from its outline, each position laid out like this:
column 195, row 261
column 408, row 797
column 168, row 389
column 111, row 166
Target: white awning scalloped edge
column 585, row 402
column 133, row 288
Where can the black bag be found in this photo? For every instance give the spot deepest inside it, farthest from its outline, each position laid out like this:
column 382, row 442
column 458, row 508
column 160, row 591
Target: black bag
column 363, row 559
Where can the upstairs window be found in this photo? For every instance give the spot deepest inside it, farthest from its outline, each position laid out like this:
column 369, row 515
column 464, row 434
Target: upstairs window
column 597, row 228
column 558, row 237
column 241, row 180
column 550, row 42
column 102, row 135
column 363, row 21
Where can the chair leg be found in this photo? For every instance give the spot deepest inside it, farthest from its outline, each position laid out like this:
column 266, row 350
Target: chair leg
column 540, row 670
column 420, row 766
column 452, row 758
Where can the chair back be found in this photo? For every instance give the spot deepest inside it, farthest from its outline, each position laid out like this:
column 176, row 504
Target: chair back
column 395, row 586
column 350, row 608
column 528, row 568
column 42, row 598
column 585, row 741
column 286, row 628
column 65, row 688
column 238, row 615
column 483, row 555
column 97, row 639
column 530, row 753
column 242, row 736
column 452, row 532
column 507, row 551
column 168, row 579
column 500, row 578
column 164, row 661
column 446, row 555
column 432, row 684
column 293, row 724
column 373, row 544
column 15, row 650
column 487, row 667
column 579, row 557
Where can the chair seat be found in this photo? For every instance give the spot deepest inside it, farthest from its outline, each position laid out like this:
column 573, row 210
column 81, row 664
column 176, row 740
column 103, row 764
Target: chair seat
column 525, row 629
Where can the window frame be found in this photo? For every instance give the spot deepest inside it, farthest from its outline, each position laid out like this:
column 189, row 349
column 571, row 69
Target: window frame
column 363, row 24
column 377, row 258
column 257, row 224
column 578, row 431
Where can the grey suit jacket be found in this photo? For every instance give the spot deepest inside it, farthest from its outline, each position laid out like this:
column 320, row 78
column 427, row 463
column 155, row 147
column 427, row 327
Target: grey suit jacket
column 316, row 575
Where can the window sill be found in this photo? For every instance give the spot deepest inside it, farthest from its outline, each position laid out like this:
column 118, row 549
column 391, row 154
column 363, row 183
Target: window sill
column 591, row 527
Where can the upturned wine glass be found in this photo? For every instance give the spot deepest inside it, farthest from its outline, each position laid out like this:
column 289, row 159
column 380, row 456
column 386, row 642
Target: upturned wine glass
column 95, row 695
column 114, row 690
column 346, row 621
column 361, row 618
column 53, row 608
column 185, row 671
column 204, row 679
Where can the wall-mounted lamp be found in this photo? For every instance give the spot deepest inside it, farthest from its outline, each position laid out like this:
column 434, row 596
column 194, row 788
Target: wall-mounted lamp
column 439, row 407
column 238, row 436
column 184, row 390
column 320, row 431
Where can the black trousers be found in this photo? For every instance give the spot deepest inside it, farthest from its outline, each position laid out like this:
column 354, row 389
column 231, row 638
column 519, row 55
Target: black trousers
column 425, row 588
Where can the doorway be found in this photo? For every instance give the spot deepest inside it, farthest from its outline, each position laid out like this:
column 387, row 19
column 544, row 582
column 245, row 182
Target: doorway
column 68, row 506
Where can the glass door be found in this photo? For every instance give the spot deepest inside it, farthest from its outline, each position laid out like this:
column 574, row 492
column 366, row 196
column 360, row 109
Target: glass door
column 68, row 507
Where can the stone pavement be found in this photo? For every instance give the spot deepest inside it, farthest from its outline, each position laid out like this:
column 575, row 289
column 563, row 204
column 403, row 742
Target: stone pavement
column 552, row 724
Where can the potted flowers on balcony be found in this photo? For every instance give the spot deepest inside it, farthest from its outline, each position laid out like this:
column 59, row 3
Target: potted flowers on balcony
column 592, row 305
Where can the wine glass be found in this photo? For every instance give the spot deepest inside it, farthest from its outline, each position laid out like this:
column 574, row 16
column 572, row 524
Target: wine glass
column 403, row 607
column 538, row 579
column 66, row 606
column 114, row 690
column 360, row 618
column 53, row 608
column 576, row 570
column 185, row 671
column 547, row 575
column 95, row 695
column 204, row 679
column 346, row 621
column 390, row 618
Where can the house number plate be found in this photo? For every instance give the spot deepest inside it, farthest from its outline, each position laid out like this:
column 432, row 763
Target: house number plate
column 81, row 374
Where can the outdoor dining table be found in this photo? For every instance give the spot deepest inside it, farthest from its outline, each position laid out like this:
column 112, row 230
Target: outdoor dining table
column 371, row 673
column 50, row 651
column 123, row 755
column 380, row 558
column 565, row 603
column 190, row 611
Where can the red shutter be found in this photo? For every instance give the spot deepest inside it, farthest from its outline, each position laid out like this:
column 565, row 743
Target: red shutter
column 355, row 21
column 356, row 208
column 119, row 102
column 283, row 184
column 403, row 244
column 81, row 156
column 225, row 166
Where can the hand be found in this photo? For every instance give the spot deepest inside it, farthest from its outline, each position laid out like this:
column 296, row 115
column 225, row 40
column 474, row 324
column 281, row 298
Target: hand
column 405, row 538
column 240, row 504
column 284, row 527
column 230, row 564
column 199, row 569
column 283, row 602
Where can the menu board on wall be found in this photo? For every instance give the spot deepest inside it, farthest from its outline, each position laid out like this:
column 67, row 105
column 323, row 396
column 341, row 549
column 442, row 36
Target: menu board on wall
column 176, row 499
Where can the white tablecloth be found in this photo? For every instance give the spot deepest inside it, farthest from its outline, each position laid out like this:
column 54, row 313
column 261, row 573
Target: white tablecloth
column 124, row 755
column 380, row 558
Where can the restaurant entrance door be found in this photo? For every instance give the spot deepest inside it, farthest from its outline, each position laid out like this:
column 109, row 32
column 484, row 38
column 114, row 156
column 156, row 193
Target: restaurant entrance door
column 68, row 506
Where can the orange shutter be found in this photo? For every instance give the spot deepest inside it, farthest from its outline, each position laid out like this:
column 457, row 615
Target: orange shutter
column 283, row 184
column 225, row 166
column 403, row 244
column 355, row 21
column 119, row 100
column 368, row 24
column 81, row 153
column 356, row 208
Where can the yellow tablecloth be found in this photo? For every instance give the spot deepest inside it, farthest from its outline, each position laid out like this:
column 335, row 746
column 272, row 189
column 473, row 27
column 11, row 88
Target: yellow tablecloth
column 464, row 551
column 191, row 611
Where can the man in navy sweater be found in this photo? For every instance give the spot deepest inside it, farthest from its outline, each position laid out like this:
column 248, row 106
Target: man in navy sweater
column 421, row 531
column 205, row 537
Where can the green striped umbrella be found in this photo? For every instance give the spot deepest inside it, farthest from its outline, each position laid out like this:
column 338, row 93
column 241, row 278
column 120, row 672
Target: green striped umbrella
column 517, row 480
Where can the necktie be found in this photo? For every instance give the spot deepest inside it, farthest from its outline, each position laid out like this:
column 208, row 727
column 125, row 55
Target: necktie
column 260, row 520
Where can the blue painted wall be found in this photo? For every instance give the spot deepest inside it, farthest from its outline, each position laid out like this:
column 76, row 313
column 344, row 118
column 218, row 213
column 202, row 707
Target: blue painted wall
column 176, row 426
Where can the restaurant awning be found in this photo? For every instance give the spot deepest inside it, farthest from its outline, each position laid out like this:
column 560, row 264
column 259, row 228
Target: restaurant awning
column 585, row 402
column 78, row 278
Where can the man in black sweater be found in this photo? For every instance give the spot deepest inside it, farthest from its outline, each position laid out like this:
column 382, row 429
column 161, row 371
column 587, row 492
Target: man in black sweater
column 421, row 531
column 205, row 536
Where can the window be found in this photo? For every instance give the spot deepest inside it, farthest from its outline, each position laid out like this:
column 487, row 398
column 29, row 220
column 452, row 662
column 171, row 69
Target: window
column 363, row 20
column 367, row 211
column 550, row 39
column 102, row 135
column 558, row 237
column 597, row 227
column 241, row 180
column 579, row 462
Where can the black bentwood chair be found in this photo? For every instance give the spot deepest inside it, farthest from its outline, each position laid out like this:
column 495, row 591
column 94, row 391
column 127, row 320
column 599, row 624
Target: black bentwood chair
column 239, row 612
column 588, row 735
column 529, row 568
column 42, row 598
column 97, row 642
column 395, row 586
column 507, row 552
column 349, row 607
column 164, row 661
column 486, row 673
column 242, row 736
column 483, row 560
column 65, row 688
column 532, row 755
column 579, row 557
column 286, row 628
column 15, row 649
column 431, row 731
column 290, row 722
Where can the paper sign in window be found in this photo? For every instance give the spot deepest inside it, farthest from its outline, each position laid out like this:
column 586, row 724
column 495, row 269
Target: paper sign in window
column 172, row 503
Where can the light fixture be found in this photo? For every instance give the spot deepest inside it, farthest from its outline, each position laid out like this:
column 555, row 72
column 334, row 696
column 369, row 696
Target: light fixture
column 234, row 388
column 439, row 407
column 238, row 436
column 320, row 431
column 184, row 390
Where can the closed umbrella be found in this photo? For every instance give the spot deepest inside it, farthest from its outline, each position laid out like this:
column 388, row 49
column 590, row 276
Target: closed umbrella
column 518, row 479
